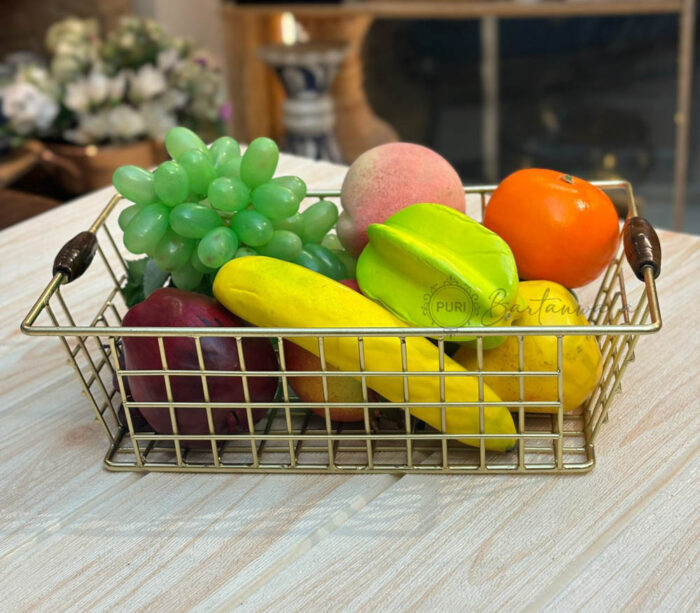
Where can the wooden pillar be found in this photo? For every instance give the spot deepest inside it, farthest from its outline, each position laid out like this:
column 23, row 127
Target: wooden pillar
column 357, row 127
column 490, row 98
column 685, row 86
column 253, row 88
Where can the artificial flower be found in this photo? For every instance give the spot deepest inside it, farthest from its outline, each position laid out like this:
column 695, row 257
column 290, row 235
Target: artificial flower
column 136, row 82
column 146, row 83
column 97, row 125
column 40, row 78
column 27, row 108
column 77, row 96
column 167, row 59
column 65, row 67
column 116, row 86
column 173, row 99
column 126, row 123
column 159, row 119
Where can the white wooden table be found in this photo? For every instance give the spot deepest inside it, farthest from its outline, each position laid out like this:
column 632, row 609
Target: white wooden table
column 76, row 537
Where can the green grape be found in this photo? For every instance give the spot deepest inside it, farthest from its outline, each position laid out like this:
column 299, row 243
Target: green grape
column 348, row 261
column 193, row 220
column 171, row 183
column 199, row 169
column 146, row 228
column 274, row 201
column 307, row 260
column 223, row 150
column 230, row 167
column 128, row 214
column 319, row 218
column 332, row 242
column 284, row 245
column 252, row 228
column 197, row 264
column 293, row 183
column 173, row 251
column 186, row 277
column 135, row 184
column 331, row 266
column 259, row 162
column 180, row 140
column 244, row 251
column 217, row 247
column 295, row 224
column 228, row 194
column 224, row 145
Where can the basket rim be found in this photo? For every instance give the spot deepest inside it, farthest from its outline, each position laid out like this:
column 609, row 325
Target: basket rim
column 441, row 333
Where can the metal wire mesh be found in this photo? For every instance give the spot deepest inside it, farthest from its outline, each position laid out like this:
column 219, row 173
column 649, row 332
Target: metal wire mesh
column 293, row 438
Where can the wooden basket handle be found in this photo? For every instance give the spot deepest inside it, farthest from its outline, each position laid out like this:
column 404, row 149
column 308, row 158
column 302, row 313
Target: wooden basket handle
column 75, row 256
column 642, row 246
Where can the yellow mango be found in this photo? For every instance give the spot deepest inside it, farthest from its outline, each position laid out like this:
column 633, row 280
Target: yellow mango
column 547, row 304
column 272, row 293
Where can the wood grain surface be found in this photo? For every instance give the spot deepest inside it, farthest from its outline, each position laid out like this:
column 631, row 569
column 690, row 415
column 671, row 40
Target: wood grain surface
column 76, row 537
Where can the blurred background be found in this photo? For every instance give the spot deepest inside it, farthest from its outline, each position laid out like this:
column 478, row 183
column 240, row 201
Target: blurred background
column 597, row 88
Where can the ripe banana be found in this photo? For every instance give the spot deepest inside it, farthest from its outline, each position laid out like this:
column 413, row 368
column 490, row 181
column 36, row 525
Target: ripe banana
column 271, row 293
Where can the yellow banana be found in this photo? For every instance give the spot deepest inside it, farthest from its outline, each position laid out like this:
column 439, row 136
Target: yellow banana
column 272, row 293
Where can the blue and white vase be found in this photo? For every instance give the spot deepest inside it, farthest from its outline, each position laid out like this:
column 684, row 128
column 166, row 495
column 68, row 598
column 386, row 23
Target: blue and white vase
column 307, row 72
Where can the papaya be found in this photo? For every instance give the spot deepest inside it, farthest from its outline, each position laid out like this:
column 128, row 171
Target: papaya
column 273, row 293
column 433, row 266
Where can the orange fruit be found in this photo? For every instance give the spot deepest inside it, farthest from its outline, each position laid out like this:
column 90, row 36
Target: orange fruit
column 560, row 228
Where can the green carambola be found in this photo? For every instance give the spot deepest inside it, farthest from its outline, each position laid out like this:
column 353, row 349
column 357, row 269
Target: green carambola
column 433, row 266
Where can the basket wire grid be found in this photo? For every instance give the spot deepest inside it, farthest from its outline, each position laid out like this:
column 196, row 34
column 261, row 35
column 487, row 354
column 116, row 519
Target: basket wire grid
column 291, row 438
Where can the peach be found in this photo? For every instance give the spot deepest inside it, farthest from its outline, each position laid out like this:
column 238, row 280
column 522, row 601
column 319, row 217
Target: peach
column 310, row 389
column 388, row 178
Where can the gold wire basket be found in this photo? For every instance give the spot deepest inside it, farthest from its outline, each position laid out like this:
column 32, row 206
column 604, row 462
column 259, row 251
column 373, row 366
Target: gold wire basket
column 291, row 438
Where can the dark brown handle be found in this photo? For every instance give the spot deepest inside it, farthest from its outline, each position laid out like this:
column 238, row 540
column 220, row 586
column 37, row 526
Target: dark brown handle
column 642, row 246
column 75, row 256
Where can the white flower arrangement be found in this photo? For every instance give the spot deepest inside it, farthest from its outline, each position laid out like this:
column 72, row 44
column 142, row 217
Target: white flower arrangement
column 28, row 108
column 137, row 83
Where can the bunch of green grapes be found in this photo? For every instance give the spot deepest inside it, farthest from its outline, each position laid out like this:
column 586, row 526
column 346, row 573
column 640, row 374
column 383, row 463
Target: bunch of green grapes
column 207, row 206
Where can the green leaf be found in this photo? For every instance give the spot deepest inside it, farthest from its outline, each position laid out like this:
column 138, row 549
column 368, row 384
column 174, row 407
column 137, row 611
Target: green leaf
column 133, row 289
column 143, row 278
column 153, row 278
